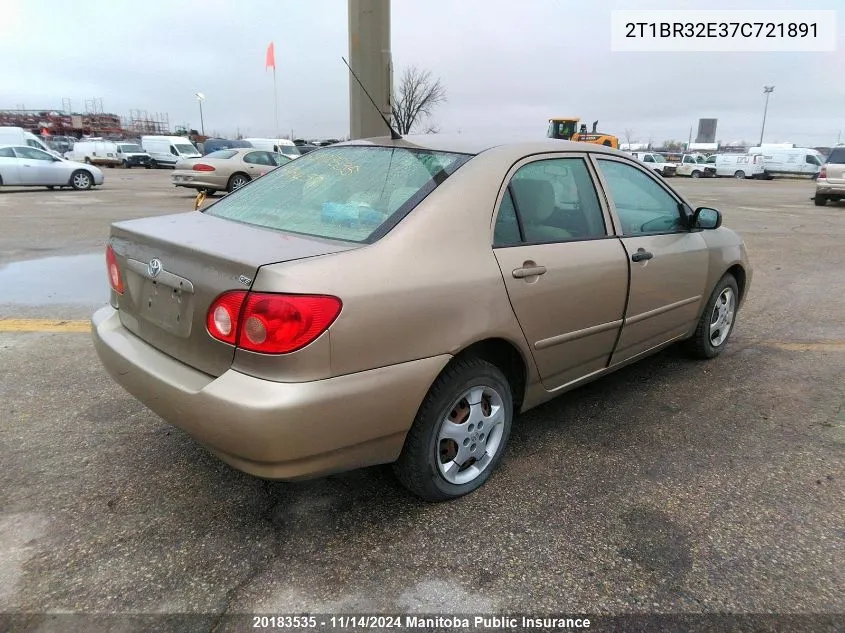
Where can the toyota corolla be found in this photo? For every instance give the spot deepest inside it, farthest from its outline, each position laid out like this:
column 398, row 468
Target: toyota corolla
column 400, row 301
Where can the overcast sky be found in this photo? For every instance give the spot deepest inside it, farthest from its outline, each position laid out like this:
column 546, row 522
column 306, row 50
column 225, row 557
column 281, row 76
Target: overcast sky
column 506, row 65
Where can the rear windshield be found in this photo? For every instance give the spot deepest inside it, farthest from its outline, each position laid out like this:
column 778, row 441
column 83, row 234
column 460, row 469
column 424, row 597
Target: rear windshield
column 222, row 153
column 837, row 156
column 351, row 193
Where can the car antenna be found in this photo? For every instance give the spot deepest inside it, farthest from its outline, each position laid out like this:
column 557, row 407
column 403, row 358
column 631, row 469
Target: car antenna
column 394, row 135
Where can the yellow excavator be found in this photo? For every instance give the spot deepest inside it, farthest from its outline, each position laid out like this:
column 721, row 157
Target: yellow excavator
column 568, row 129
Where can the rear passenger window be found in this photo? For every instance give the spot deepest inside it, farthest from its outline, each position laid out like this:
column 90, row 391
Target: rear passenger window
column 837, row 156
column 6, row 152
column 555, row 200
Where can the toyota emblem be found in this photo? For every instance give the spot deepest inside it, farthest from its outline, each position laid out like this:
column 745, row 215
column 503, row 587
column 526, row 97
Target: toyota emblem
column 154, row 267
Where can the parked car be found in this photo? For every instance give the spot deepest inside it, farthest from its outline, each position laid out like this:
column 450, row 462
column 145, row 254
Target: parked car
column 695, row 166
column 656, row 162
column 789, row 161
column 739, row 165
column 213, row 144
column 24, row 166
column 304, row 146
column 166, row 151
column 400, row 301
column 94, row 153
column 277, row 145
column 133, row 155
column 830, row 185
column 225, row 169
column 20, row 137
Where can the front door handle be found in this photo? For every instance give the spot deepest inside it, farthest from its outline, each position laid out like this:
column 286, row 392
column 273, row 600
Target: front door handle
column 528, row 271
column 641, row 255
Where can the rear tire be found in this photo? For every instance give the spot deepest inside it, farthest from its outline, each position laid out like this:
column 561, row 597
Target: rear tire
column 81, row 180
column 739, row 174
column 717, row 321
column 454, row 444
column 236, row 182
column 152, row 164
column 820, row 200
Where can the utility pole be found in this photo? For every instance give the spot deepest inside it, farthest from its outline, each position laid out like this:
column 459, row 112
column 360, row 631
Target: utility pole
column 369, row 57
column 201, row 97
column 767, row 90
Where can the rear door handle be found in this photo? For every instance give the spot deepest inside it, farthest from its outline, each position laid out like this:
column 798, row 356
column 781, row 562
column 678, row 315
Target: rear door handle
column 641, row 255
column 528, row 271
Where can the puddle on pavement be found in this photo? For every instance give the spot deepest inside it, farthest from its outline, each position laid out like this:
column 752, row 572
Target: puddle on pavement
column 76, row 279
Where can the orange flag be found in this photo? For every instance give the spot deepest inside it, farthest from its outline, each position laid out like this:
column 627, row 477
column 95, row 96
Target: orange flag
column 271, row 57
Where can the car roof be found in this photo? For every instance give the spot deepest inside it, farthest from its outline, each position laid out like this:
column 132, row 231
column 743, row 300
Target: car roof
column 470, row 144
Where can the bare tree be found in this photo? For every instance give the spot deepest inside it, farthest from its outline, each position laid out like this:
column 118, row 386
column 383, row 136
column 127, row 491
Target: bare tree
column 629, row 134
column 415, row 99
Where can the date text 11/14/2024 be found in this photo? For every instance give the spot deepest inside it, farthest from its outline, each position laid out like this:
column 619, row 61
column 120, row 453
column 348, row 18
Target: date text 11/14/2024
column 339, row 622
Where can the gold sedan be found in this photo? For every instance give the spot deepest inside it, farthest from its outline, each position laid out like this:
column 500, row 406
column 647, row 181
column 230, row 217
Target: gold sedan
column 225, row 169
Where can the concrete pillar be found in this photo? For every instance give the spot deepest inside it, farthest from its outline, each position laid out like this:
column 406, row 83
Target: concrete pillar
column 369, row 57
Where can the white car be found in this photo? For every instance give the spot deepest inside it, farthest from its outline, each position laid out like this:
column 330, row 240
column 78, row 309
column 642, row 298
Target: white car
column 656, row 162
column 22, row 166
column 695, row 166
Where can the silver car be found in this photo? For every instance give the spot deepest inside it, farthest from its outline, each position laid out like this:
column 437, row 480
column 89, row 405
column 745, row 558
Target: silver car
column 22, row 166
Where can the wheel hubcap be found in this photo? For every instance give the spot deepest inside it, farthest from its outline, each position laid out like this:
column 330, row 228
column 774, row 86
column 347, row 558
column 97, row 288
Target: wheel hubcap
column 237, row 183
column 470, row 435
column 722, row 318
column 81, row 180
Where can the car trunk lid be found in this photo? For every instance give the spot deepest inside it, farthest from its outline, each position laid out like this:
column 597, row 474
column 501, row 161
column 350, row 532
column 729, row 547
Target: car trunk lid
column 174, row 267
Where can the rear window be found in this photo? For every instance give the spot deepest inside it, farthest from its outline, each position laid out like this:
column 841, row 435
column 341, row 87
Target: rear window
column 222, row 153
column 837, row 156
column 351, row 193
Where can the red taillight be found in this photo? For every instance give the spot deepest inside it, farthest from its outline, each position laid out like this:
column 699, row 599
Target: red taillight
column 115, row 278
column 271, row 323
column 823, row 172
column 203, row 167
column 222, row 319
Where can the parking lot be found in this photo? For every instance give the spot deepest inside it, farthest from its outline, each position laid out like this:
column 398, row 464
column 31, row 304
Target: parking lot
column 670, row 486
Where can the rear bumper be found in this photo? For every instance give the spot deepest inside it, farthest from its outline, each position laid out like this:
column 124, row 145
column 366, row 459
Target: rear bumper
column 271, row 429
column 195, row 180
column 827, row 188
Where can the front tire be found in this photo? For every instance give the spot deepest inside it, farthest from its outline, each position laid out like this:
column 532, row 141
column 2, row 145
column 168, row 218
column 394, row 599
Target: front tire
column 696, row 174
column 81, row 180
column 460, row 432
column 739, row 174
column 820, row 200
column 717, row 320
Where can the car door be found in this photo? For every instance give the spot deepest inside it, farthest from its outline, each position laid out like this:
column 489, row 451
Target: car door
column 258, row 163
column 36, row 167
column 565, row 273
column 9, row 167
column 668, row 262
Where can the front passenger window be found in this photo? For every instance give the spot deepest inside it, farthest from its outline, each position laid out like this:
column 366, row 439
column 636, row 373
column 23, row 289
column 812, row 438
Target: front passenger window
column 173, row 151
column 643, row 206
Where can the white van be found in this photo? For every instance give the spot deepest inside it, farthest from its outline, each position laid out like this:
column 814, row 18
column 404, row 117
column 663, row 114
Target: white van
column 789, row 161
column 278, row 145
column 738, row 165
column 94, row 153
column 19, row 136
column 166, row 151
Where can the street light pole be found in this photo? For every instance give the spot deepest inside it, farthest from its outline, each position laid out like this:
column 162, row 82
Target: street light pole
column 200, row 98
column 767, row 90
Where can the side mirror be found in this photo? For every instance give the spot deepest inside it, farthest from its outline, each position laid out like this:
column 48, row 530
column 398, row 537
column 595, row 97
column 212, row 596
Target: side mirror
column 706, row 218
